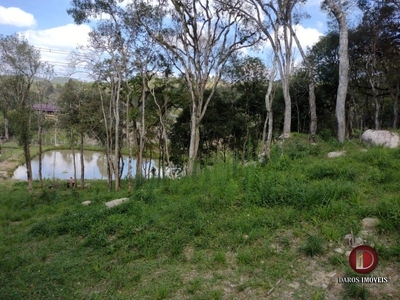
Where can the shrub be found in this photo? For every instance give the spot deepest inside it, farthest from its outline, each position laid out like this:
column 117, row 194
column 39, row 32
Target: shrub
column 313, row 246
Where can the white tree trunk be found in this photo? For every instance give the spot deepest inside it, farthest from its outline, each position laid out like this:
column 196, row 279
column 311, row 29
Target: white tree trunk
column 268, row 105
column 336, row 9
column 194, row 140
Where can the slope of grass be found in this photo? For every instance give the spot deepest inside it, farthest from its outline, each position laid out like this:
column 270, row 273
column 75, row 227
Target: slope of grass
column 230, row 232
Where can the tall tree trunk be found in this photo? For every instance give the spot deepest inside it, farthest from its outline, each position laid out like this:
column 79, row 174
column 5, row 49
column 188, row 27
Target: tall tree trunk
column 395, row 99
column 135, row 140
column 194, row 140
column 40, row 151
column 73, row 155
column 343, row 67
column 311, row 89
column 108, row 139
column 6, row 134
column 288, row 106
column 164, row 135
column 116, row 145
column 27, row 154
column 376, row 103
column 313, row 111
column 268, row 106
column 82, row 161
column 128, row 144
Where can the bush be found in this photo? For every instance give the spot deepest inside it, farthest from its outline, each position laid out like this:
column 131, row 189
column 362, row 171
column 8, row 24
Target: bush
column 313, row 246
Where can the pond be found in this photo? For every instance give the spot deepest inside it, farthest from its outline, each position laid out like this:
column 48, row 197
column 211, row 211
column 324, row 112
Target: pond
column 58, row 164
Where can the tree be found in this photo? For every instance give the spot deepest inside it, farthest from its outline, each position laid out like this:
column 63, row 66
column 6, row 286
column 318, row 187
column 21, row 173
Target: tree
column 43, row 85
column 200, row 36
column 79, row 116
column 20, row 62
column 337, row 9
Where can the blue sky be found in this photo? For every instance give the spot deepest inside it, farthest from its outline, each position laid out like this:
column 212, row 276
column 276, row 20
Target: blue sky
column 47, row 26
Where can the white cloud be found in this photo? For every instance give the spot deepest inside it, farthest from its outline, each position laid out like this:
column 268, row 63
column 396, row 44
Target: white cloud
column 102, row 16
column 307, row 36
column 55, row 44
column 67, row 37
column 16, row 17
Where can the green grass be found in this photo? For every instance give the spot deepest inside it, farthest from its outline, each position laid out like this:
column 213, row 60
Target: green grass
column 230, row 232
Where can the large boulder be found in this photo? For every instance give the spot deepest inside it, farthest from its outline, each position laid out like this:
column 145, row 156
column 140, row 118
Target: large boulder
column 381, row 138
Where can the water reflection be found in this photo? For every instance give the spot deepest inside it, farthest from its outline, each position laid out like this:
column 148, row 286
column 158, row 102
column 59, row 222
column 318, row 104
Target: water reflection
column 58, row 164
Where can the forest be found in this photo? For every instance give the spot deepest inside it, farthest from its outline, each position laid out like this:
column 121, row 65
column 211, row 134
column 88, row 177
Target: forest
column 253, row 207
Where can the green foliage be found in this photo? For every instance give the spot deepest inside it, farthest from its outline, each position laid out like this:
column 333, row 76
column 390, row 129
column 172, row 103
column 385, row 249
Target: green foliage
column 313, row 246
column 355, row 291
column 228, row 220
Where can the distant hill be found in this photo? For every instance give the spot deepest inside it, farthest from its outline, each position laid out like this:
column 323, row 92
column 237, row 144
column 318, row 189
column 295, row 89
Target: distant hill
column 60, row 80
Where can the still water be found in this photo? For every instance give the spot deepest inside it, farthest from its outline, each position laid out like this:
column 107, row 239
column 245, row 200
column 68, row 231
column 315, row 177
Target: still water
column 59, row 164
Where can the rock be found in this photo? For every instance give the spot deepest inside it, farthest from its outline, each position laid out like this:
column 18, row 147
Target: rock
column 86, row 203
column 369, row 223
column 365, row 233
column 116, row 202
column 336, row 154
column 295, row 285
column 284, row 136
column 348, row 238
column 88, row 186
column 358, row 242
column 339, row 250
column 3, row 175
column 348, row 253
column 381, row 138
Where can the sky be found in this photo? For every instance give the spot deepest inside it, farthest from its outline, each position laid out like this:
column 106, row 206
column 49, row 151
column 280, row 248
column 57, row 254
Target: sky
column 47, row 26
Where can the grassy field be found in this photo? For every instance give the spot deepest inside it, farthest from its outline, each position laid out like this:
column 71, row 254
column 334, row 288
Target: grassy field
column 265, row 231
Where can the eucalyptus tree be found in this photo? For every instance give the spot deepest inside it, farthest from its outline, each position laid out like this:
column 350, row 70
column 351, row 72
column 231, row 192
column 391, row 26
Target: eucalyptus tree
column 20, row 62
column 108, row 39
column 146, row 61
column 43, row 85
column 379, row 32
column 277, row 20
column 200, row 36
column 79, row 116
column 126, row 51
column 249, row 77
column 338, row 10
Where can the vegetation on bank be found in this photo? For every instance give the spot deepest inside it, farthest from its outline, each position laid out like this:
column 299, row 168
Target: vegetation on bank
column 229, row 232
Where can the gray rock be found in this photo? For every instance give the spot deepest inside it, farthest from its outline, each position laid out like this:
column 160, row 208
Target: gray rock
column 365, row 233
column 88, row 186
column 369, row 223
column 358, row 242
column 116, row 202
column 86, row 203
column 381, row 138
column 336, row 154
column 348, row 239
column 339, row 250
column 3, row 175
column 295, row 285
